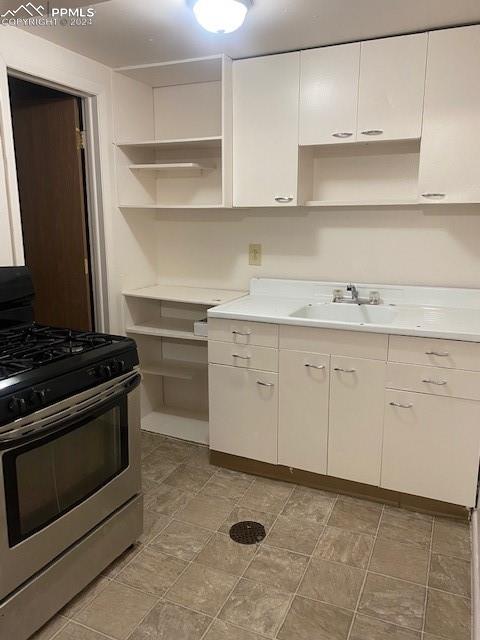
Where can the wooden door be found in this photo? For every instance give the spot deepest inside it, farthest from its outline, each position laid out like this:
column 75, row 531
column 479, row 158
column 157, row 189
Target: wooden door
column 449, row 170
column 329, row 94
column 392, row 86
column 265, row 130
column 46, row 125
column 243, row 412
column 303, row 410
column 356, row 419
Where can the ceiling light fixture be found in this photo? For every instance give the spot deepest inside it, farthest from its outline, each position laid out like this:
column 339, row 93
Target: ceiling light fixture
column 220, row 16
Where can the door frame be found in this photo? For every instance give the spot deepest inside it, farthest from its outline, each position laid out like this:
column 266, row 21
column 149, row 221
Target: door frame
column 94, row 103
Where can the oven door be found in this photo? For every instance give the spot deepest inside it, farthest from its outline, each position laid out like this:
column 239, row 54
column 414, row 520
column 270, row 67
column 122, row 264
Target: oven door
column 64, row 470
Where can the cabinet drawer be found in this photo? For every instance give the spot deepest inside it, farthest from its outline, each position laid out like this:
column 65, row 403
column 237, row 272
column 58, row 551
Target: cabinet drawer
column 434, row 380
column 451, row 354
column 431, row 446
column 248, row 357
column 239, row 332
column 353, row 344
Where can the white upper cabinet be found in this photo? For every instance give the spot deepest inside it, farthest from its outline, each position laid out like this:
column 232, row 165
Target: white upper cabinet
column 329, row 94
column 391, row 89
column 449, row 170
column 265, row 130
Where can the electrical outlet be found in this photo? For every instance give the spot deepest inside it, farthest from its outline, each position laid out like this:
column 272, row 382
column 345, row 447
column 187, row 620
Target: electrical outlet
column 255, row 254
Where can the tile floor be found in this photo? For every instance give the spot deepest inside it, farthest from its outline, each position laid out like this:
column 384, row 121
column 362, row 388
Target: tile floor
column 331, row 567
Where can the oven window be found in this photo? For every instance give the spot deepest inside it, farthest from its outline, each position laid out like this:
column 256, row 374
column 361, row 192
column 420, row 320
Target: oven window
column 47, row 478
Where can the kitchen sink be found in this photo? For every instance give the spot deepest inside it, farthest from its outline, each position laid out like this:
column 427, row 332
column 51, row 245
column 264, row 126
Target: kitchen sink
column 348, row 313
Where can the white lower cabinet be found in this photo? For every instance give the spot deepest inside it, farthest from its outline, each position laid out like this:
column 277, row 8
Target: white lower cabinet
column 303, row 410
column 431, row 446
column 243, row 412
column 356, row 419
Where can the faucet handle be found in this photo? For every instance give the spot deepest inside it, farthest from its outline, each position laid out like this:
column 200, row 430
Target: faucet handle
column 374, row 297
column 337, row 295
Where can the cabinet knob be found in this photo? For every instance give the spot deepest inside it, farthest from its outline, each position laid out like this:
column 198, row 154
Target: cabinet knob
column 440, row 383
column 342, row 134
column 283, row 199
column 434, row 196
column 399, row 405
column 344, row 370
column 315, row 366
column 265, row 384
column 372, row 132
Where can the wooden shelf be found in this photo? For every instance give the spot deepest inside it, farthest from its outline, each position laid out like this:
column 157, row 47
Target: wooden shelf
column 166, row 328
column 206, row 142
column 174, row 369
column 188, row 295
column 152, row 207
column 362, row 203
column 172, row 169
column 178, row 423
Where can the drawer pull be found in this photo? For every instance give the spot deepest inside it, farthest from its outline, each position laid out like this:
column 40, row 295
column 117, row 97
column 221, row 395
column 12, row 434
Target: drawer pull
column 344, row 370
column 236, row 355
column 440, row 383
column 241, row 333
column 265, row 384
column 400, row 405
column 315, row 366
column 440, row 354
column 434, row 196
column 342, row 134
column 372, row 132
column 283, row 199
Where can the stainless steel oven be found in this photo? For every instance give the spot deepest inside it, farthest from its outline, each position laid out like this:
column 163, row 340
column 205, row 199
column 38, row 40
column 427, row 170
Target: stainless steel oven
column 64, row 470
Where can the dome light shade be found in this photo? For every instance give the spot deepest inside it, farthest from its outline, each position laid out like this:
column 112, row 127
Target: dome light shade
column 220, row 16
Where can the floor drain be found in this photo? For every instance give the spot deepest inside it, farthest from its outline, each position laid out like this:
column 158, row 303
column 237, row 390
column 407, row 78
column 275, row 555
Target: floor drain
column 247, row 532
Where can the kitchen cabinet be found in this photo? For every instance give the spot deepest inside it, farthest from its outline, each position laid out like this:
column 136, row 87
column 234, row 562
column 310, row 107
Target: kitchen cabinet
column 243, row 412
column 265, row 130
column 356, row 419
column 329, row 94
column 391, row 88
column 451, row 122
column 303, row 410
column 431, row 446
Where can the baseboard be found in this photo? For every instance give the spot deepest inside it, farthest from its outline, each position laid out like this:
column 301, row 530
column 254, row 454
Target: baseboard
column 475, row 576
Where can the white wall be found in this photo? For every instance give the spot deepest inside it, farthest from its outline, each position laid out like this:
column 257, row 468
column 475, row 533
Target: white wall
column 436, row 245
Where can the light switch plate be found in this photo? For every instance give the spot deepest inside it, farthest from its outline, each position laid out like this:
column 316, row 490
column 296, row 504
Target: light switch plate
column 255, row 255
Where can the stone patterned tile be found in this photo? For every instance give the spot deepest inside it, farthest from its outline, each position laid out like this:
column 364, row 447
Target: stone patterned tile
column 293, row 535
column 50, row 629
column 74, row 631
column 151, row 571
column 167, row 621
column 223, row 631
column 310, row 620
column 205, row 511
column 153, row 524
column 268, row 496
column 400, row 560
column 332, row 583
column 240, row 514
column 117, row 565
column 155, row 468
column 400, row 603
column 451, row 538
column 165, row 500
column 255, row 607
column 85, row 597
column 200, row 457
column 448, row 615
column 189, row 478
column 227, row 484
column 347, row 547
column 278, row 568
column 370, row 629
column 175, row 451
column 202, row 589
column 116, row 611
column 222, row 553
column 450, row 574
column 182, row 540
column 356, row 515
column 309, row 505
column 406, row 526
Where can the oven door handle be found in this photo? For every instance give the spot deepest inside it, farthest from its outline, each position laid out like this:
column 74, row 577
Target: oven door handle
column 25, row 428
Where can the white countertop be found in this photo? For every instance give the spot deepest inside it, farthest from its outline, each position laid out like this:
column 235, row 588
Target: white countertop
column 405, row 310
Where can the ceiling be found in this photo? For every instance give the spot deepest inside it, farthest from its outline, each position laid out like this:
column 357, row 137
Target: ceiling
column 127, row 32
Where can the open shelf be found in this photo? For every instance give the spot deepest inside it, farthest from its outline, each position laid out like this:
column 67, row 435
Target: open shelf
column 172, row 169
column 177, row 328
column 207, row 142
column 176, row 72
column 178, row 423
column 152, row 207
column 184, row 294
column 173, row 369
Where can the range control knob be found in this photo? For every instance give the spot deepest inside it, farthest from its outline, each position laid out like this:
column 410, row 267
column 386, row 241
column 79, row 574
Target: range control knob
column 17, row 405
column 39, row 396
column 105, row 371
column 118, row 366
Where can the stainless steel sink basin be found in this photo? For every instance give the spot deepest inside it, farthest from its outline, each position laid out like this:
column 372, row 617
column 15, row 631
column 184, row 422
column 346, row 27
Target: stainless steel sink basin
column 348, row 313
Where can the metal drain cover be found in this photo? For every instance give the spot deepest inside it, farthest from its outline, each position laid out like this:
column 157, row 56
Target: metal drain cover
column 247, row 532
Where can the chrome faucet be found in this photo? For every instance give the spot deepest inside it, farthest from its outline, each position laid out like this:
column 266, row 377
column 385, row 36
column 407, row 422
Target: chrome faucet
column 354, row 292
column 354, row 298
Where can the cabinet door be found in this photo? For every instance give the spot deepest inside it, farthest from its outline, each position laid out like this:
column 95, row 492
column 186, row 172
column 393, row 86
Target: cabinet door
column 356, row 419
column 449, row 168
column 392, row 84
column 303, row 411
column 265, row 130
column 243, row 412
column 329, row 94
column 431, row 446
